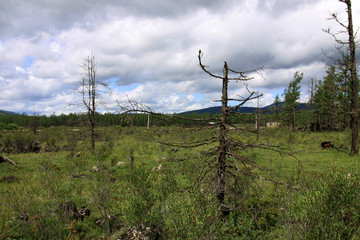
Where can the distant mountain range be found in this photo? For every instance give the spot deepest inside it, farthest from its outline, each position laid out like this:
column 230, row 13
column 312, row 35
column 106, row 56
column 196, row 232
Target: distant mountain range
column 215, row 110
column 3, row 112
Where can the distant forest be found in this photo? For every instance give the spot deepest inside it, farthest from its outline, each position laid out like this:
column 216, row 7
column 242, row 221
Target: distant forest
column 266, row 114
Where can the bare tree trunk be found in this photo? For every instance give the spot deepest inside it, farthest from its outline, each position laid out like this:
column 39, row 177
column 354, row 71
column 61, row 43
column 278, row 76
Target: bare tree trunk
column 257, row 125
column 90, row 93
column 35, row 122
column 220, row 188
column 93, row 111
column 354, row 111
column 148, row 121
column 223, row 148
column 311, row 103
column 351, row 67
column 294, row 119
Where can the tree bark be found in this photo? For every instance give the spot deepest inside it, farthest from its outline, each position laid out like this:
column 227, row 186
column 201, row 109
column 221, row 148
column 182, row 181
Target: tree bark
column 224, row 142
column 89, row 95
column 294, row 119
column 354, row 112
column 220, row 188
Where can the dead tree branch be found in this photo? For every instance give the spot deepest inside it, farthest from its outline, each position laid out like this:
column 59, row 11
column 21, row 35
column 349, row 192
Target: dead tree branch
column 7, row 160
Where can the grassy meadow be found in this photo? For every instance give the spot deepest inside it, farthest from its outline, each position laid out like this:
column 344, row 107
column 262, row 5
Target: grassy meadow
column 139, row 184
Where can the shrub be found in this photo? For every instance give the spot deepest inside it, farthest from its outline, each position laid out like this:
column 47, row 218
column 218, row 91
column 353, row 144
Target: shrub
column 12, row 126
column 333, row 211
column 2, row 126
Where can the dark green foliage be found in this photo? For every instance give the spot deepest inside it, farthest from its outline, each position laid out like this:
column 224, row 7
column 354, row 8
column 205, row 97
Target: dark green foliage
column 277, row 106
column 326, row 100
column 10, row 126
column 292, row 96
column 331, row 101
column 112, row 119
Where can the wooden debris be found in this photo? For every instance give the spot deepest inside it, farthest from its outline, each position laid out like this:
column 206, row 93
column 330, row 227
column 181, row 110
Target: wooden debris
column 327, row 144
column 7, row 160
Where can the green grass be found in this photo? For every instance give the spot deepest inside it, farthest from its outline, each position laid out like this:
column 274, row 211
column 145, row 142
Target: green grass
column 165, row 202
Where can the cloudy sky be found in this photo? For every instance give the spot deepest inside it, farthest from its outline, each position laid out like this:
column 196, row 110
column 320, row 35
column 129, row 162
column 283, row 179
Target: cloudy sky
column 147, row 49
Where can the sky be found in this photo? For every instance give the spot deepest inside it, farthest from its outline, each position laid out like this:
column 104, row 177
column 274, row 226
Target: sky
column 147, row 50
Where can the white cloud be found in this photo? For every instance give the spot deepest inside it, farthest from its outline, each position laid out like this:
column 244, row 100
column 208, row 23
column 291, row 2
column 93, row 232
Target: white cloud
column 155, row 46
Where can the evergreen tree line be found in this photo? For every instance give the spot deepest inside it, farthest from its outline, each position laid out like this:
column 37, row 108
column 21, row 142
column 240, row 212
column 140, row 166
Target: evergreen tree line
column 73, row 120
column 328, row 106
column 9, row 121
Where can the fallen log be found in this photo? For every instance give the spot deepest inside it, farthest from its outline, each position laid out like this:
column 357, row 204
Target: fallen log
column 7, row 160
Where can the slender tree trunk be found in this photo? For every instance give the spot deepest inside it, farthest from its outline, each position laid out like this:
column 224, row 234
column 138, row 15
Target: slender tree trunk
column 93, row 123
column 220, row 188
column 35, row 122
column 311, row 111
column 257, row 125
column 92, row 100
column 354, row 111
column 90, row 92
column 223, row 148
column 294, row 119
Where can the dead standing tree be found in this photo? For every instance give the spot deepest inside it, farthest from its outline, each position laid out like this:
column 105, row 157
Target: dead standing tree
column 226, row 111
column 90, row 89
column 220, row 153
column 350, row 67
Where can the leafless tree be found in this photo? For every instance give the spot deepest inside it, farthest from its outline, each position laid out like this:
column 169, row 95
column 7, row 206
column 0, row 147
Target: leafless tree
column 350, row 67
column 223, row 149
column 34, row 122
column 90, row 88
column 220, row 154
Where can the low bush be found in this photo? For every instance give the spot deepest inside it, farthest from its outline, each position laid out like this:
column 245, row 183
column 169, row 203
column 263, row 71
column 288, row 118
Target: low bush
column 10, row 126
column 333, row 209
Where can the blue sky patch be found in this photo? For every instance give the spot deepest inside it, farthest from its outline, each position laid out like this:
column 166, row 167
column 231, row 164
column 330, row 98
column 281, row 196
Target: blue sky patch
column 28, row 60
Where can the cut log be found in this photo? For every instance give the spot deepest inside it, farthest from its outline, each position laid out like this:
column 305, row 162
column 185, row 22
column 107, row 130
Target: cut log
column 7, row 160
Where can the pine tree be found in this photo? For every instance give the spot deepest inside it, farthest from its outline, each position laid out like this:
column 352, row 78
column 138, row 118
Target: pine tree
column 277, row 106
column 292, row 96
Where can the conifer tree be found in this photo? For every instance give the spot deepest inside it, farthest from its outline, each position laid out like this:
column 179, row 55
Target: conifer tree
column 292, row 96
column 277, row 106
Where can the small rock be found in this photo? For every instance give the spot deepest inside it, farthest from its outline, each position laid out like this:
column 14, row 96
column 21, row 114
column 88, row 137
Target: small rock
column 120, row 163
column 95, row 169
